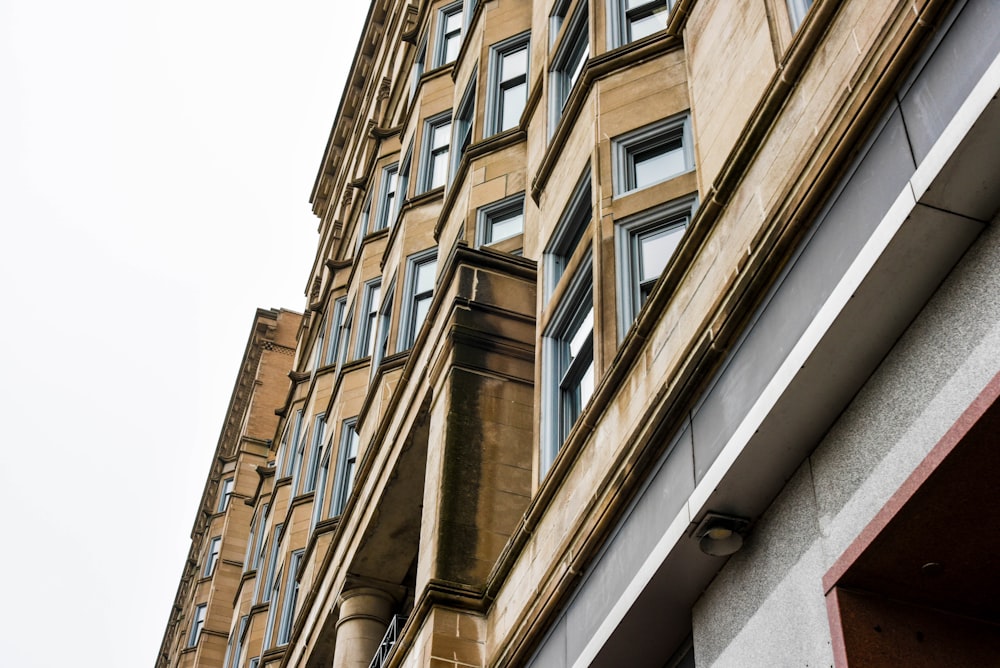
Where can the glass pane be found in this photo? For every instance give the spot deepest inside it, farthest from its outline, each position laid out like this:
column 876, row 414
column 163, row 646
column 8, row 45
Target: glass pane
column 656, row 249
column 514, row 64
column 580, row 59
column 506, row 226
column 440, row 135
column 512, row 103
column 657, row 164
column 420, row 308
column 439, row 169
column 579, row 337
column 425, row 277
column 451, row 47
column 587, row 385
column 453, row 22
column 646, row 24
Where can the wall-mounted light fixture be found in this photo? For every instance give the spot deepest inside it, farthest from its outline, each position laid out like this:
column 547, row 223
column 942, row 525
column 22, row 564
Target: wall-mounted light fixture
column 721, row 535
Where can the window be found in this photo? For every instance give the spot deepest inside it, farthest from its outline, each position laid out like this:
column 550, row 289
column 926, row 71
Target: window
column 297, row 460
column 320, row 498
column 319, row 429
column 449, row 34
column 568, row 362
column 797, row 12
column 291, row 598
column 419, row 289
column 333, row 337
column 272, row 610
column 387, row 204
column 366, row 214
column 345, row 338
column 567, row 65
column 568, row 234
column 500, row 220
column 254, row 662
column 272, row 563
column 288, row 440
column 508, row 84
column 384, row 327
column 652, row 154
column 418, row 66
column 369, row 314
column 213, row 555
column 635, row 19
column 463, row 126
column 255, row 550
column 346, row 461
column 434, row 163
column 645, row 244
column 225, row 493
column 404, row 178
column 197, row 623
column 316, row 359
column 233, row 658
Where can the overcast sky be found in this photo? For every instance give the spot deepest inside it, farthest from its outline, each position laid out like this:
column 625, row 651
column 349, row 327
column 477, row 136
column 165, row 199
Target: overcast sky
column 156, row 160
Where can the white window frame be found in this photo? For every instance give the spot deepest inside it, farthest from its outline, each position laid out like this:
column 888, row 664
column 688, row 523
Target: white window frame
column 797, row 10
column 369, row 319
column 487, row 217
column 462, row 127
column 622, row 18
column 225, row 493
column 570, row 230
column 564, row 388
column 383, row 326
column 212, row 555
column 345, row 338
column 298, row 460
column 674, row 216
column 568, row 63
column 290, row 600
column 649, row 138
column 410, row 322
column 274, row 597
column 312, row 468
column 388, row 198
column 272, row 563
column 347, row 463
column 319, row 500
column 333, row 336
column 431, row 154
column 286, row 467
column 197, row 623
column 254, row 549
column 497, row 87
column 443, row 35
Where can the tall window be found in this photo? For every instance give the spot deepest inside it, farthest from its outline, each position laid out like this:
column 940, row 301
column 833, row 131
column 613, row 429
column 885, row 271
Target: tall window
column 419, row 291
column 212, row 557
column 291, row 598
column 384, row 327
column 463, row 126
column 369, row 315
column 272, row 563
column 652, row 154
column 434, row 161
column 345, row 338
column 797, row 12
column 225, row 493
column 568, row 63
column 272, row 610
column 289, row 440
column 508, row 84
column 568, row 359
column 333, row 336
column 197, row 623
column 500, row 221
column 254, row 544
column 387, row 204
column 568, row 233
column 449, row 34
column 635, row 19
column 645, row 244
column 419, row 63
column 298, row 460
column 240, row 643
column 319, row 429
column 320, row 499
column 346, row 461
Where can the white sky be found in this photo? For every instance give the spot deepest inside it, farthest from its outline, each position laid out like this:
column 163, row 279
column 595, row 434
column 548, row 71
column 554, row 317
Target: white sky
column 156, row 160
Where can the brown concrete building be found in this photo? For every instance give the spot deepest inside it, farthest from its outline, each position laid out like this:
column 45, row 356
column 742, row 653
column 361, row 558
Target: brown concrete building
column 647, row 334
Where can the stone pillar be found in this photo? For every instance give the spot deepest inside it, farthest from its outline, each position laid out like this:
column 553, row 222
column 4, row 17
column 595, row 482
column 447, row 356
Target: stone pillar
column 364, row 617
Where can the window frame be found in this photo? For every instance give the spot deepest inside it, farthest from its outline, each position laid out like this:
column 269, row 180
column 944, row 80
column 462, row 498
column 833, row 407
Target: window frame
column 569, row 232
column 319, row 500
column 312, row 468
column 626, row 147
column 272, row 563
column 797, row 10
column 388, row 198
column 383, row 326
column 212, row 556
column 371, row 296
column 568, row 62
column 441, row 34
column 346, row 465
column 419, row 66
column 290, row 599
column 562, row 376
column 226, row 487
column 462, row 128
column 620, row 23
column 487, row 217
column 497, row 86
column 410, row 327
column 430, row 154
column 333, row 336
column 197, row 624
column 670, row 216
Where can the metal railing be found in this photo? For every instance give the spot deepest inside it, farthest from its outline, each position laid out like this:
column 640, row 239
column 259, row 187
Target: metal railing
column 384, row 650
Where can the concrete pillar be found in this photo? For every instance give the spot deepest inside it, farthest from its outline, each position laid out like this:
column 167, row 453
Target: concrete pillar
column 364, row 617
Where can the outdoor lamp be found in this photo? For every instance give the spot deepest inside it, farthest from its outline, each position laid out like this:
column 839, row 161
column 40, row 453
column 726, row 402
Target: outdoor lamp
column 721, row 535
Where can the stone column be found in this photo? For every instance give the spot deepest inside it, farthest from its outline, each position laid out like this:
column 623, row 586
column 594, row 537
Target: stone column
column 364, row 617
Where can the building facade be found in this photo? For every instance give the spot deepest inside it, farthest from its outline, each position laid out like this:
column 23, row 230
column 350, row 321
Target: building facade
column 651, row 334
